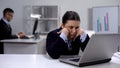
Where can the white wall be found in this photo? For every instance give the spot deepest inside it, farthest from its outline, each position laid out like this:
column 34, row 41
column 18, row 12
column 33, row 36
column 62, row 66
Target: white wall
column 83, row 7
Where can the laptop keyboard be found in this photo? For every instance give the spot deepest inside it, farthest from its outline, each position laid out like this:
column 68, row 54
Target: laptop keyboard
column 75, row 59
column 25, row 37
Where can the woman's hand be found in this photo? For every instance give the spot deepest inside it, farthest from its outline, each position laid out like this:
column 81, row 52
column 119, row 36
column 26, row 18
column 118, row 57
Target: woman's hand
column 79, row 33
column 65, row 31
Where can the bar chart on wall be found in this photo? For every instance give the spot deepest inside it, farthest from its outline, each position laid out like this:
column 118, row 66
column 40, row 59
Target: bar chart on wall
column 105, row 20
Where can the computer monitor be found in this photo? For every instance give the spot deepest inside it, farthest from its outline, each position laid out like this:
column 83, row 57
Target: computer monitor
column 36, row 17
column 35, row 26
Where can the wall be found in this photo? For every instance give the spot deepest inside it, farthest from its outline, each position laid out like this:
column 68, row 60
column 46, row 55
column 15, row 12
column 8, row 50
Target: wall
column 83, row 7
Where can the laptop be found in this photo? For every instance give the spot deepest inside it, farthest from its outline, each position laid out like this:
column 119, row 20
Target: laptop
column 99, row 49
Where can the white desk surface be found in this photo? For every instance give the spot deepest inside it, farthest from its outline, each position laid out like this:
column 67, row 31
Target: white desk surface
column 43, row 61
column 21, row 40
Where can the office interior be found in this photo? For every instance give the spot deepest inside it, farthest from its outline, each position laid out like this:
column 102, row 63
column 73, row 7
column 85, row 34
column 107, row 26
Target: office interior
column 22, row 21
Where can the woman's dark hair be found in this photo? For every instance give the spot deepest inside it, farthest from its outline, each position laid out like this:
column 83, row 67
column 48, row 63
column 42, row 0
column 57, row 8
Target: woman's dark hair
column 7, row 10
column 70, row 15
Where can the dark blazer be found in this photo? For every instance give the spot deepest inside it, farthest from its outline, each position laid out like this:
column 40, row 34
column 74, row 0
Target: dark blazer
column 56, row 46
column 6, row 31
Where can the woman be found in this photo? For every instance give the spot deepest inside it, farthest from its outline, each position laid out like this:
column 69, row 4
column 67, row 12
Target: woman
column 68, row 39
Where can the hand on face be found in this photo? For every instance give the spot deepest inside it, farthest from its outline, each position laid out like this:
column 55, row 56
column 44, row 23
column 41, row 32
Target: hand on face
column 79, row 33
column 65, row 31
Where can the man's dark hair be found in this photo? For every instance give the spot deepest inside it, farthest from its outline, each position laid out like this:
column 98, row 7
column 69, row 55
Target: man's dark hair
column 70, row 15
column 7, row 10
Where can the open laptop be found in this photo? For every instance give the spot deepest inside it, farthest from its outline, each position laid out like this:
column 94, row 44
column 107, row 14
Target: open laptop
column 99, row 49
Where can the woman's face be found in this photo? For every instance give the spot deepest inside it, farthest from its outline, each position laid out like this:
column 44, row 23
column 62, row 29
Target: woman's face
column 73, row 27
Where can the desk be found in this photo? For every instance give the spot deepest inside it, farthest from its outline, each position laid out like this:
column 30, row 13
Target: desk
column 23, row 46
column 43, row 61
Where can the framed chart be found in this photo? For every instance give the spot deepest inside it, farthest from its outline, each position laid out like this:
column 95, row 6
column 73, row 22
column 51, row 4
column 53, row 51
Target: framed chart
column 105, row 19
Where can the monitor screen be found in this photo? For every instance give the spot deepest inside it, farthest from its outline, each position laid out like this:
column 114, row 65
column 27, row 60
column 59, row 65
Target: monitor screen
column 35, row 26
